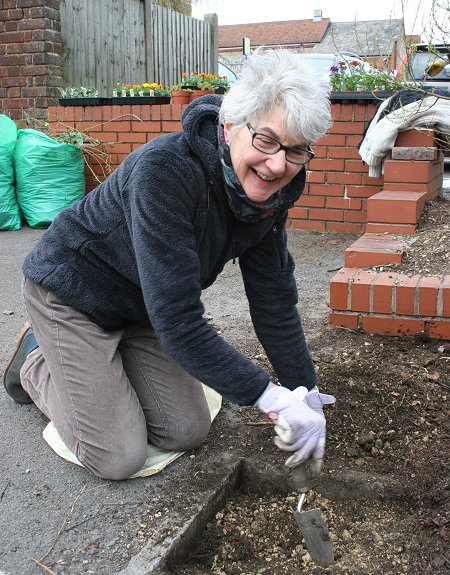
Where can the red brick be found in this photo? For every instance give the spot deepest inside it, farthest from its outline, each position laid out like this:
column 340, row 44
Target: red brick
column 335, row 112
column 407, row 171
column 326, row 190
column 104, row 136
column 324, row 214
column 407, row 295
column 440, row 329
column 374, row 250
column 408, row 187
column 166, row 113
column 361, row 290
column 134, row 137
column 150, row 127
column 311, row 201
column 344, row 178
column 395, row 207
column 361, row 191
column 327, row 165
column 347, row 128
column 298, row 213
column 416, row 138
column 345, row 152
column 316, row 177
column 392, row 326
column 346, row 113
column 123, row 126
column 340, row 288
column 320, row 151
column 156, row 112
column 356, row 166
column 370, row 181
column 428, row 295
column 352, row 141
column 170, row 126
column 382, row 292
column 315, row 226
column 344, row 203
column 332, row 140
column 121, row 148
column 390, row 228
column 355, row 216
column 344, row 228
column 347, row 320
column 360, row 113
column 446, row 296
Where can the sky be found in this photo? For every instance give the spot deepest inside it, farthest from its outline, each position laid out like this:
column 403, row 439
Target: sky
column 250, row 11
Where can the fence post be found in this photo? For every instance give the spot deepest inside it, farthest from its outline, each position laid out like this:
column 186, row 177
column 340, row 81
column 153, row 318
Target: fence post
column 148, row 30
column 213, row 48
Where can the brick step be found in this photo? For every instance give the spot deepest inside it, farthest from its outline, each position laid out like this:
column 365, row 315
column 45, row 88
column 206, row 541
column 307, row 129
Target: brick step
column 391, row 302
column 374, row 250
column 395, row 207
column 411, row 171
column 379, row 324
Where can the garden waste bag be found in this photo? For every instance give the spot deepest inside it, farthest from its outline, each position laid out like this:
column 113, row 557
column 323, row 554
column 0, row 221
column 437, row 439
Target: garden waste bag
column 49, row 176
column 9, row 209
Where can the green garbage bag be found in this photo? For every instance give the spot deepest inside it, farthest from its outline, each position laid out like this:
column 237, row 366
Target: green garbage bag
column 49, row 176
column 9, row 209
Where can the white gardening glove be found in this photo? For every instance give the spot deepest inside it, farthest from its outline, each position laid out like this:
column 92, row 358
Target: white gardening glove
column 316, row 401
column 299, row 428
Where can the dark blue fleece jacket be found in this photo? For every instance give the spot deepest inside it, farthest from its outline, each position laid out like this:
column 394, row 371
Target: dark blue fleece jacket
column 146, row 242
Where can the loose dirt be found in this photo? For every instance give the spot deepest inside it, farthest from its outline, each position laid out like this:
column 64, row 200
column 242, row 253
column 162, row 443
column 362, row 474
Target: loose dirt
column 428, row 250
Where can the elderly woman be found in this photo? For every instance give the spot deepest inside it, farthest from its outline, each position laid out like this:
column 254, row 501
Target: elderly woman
column 118, row 343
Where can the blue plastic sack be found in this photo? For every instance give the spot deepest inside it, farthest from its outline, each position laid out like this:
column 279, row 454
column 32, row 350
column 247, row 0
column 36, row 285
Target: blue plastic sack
column 49, row 176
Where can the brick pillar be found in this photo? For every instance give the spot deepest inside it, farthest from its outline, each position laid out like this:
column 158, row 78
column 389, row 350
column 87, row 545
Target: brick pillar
column 30, row 57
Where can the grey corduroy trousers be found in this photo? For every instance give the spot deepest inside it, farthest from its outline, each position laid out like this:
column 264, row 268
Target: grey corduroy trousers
column 108, row 392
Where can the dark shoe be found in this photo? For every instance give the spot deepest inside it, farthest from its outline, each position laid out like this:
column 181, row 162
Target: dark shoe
column 25, row 344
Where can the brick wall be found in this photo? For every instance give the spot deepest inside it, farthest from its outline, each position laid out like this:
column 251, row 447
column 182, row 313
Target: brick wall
column 339, row 192
column 30, row 57
column 335, row 198
column 338, row 185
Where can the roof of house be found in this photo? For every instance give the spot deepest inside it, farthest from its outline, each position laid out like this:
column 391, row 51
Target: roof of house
column 368, row 38
column 273, row 33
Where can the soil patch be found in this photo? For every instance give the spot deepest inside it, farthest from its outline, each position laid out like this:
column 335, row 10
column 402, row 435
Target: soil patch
column 389, row 424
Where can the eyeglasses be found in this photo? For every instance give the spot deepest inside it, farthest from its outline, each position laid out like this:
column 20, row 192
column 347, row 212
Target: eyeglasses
column 268, row 145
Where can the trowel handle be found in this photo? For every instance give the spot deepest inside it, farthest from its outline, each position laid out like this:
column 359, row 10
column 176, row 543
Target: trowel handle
column 301, row 478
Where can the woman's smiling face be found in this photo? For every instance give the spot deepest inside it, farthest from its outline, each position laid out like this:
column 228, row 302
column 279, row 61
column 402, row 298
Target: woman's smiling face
column 261, row 175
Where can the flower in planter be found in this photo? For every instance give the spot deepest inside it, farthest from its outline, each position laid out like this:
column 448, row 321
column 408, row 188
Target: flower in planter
column 154, row 90
column 203, row 81
column 78, row 92
column 145, row 89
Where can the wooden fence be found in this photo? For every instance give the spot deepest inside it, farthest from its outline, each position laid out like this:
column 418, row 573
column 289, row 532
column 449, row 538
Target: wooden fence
column 133, row 41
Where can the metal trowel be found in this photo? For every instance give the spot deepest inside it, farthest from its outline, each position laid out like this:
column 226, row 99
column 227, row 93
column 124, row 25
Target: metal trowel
column 312, row 523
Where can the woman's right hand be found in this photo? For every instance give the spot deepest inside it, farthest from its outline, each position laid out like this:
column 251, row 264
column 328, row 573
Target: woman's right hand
column 298, row 428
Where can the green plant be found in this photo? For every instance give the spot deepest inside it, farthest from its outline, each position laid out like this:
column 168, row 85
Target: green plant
column 179, row 87
column 351, row 77
column 78, row 92
column 96, row 154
